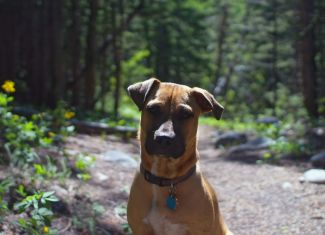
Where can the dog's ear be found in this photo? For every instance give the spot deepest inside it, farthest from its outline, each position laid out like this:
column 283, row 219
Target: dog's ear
column 140, row 91
column 207, row 102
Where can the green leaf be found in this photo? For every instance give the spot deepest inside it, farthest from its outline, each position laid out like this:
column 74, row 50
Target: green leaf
column 40, row 170
column 84, row 176
column 35, row 203
column 98, row 209
column 48, row 194
column 45, row 212
column 21, row 190
column 22, row 222
column 46, row 141
column 28, row 126
column 20, row 205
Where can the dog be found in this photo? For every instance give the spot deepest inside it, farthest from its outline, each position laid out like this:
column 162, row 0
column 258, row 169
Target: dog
column 169, row 195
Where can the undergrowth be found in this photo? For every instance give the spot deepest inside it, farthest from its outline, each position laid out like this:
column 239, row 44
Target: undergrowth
column 24, row 193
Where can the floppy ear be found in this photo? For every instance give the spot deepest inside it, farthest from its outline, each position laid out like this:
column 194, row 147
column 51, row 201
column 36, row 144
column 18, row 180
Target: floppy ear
column 140, row 91
column 207, row 102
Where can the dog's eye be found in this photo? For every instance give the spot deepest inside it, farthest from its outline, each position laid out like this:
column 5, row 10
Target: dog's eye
column 154, row 109
column 185, row 114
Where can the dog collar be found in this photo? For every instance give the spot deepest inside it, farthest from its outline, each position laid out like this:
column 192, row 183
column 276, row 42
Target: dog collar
column 163, row 182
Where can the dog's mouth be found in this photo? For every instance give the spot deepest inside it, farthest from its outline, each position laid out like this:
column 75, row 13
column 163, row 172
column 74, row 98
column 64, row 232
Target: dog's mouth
column 173, row 149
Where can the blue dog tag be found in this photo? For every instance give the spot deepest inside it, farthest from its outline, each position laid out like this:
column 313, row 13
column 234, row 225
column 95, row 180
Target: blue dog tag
column 171, row 202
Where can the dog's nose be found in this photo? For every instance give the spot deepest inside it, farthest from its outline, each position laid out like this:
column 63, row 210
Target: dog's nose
column 164, row 140
column 165, row 134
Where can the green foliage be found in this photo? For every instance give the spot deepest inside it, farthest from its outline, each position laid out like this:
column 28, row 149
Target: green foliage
column 59, row 120
column 51, row 170
column 37, row 208
column 121, row 210
column 134, row 68
column 5, row 184
column 288, row 137
column 288, row 107
column 82, row 164
column 322, row 106
column 20, row 134
column 20, row 139
column 87, row 217
column 287, row 146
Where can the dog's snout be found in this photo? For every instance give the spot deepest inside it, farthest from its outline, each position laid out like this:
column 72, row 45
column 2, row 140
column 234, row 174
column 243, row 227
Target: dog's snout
column 165, row 134
column 164, row 140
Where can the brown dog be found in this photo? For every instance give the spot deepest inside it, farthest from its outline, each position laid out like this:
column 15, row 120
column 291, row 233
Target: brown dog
column 169, row 196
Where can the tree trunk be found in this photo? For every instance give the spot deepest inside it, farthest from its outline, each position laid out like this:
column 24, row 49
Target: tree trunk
column 56, row 8
column 321, row 50
column 222, row 27
column 117, row 57
column 307, row 57
column 274, row 71
column 90, row 74
column 75, row 52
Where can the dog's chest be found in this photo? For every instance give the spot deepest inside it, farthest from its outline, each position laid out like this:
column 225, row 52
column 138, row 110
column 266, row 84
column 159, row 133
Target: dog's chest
column 163, row 225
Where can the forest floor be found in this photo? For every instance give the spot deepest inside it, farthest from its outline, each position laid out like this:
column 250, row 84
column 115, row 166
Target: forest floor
column 254, row 198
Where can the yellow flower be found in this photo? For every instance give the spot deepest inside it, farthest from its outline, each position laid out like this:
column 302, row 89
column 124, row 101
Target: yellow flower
column 46, row 229
column 9, row 86
column 52, row 134
column 69, row 115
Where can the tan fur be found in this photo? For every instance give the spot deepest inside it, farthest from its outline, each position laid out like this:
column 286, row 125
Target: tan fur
column 197, row 211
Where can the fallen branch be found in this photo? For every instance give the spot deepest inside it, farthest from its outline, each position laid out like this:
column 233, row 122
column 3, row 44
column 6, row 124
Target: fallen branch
column 97, row 128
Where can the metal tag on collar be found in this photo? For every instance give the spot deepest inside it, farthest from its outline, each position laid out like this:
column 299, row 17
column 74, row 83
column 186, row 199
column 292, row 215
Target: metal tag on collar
column 171, row 200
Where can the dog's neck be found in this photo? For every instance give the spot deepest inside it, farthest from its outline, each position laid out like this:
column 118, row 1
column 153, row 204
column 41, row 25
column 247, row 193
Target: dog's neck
column 169, row 168
column 163, row 182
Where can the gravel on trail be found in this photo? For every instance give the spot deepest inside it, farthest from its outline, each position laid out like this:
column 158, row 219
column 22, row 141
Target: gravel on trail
column 254, row 198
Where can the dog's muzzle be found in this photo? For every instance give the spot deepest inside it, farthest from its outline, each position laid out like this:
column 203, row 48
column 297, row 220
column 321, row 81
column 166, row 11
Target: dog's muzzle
column 165, row 142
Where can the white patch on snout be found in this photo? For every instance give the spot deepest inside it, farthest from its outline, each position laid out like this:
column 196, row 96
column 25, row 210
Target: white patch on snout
column 160, row 224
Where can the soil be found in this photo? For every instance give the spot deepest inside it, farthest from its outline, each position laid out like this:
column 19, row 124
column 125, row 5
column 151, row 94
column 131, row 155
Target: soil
column 254, row 198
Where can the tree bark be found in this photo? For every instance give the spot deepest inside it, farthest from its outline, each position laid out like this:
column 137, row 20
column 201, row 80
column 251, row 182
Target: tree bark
column 75, row 52
column 307, row 50
column 90, row 74
column 107, row 43
column 221, row 39
column 56, row 51
column 117, row 57
column 274, row 71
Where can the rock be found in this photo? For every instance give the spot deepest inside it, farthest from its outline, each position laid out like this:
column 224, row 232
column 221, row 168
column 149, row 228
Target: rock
column 258, row 143
column 316, row 138
column 72, row 152
column 287, row 185
column 230, row 138
column 268, row 120
column 318, row 160
column 250, row 152
column 314, row 176
column 60, row 206
column 120, row 158
column 101, row 177
column 59, row 191
column 250, row 157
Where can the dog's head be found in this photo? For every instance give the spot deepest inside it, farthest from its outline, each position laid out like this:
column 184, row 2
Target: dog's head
column 170, row 115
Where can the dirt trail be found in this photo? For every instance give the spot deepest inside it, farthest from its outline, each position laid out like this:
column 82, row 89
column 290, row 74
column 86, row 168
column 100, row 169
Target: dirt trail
column 254, row 199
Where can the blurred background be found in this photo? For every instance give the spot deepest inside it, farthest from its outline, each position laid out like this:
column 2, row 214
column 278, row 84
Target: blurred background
column 258, row 57
column 68, row 150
